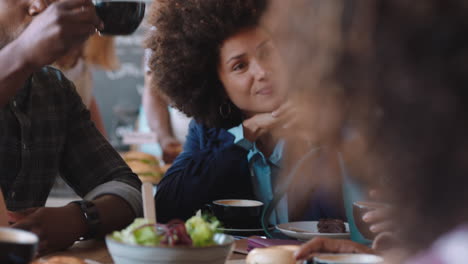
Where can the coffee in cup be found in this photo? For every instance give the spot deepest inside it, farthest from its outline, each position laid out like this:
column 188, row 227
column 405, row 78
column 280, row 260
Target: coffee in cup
column 17, row 246
column 347, row 259
column 120, row 17
column 238, row 213
column 360, row 208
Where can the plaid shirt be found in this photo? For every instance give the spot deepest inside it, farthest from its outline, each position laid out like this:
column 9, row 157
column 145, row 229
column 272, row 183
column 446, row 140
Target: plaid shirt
column 46, row 131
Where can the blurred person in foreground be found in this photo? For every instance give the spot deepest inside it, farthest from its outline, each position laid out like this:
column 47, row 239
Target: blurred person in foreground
column 217, row 63
column 46, row 129
column 397, row 70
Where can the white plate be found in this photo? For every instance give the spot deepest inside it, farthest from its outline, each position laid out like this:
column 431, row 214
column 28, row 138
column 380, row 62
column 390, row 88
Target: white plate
column 307, row 230
column 239, row 230
column 236, row 230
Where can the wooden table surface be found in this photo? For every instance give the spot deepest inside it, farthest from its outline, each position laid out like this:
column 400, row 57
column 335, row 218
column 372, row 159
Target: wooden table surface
column 96, row 250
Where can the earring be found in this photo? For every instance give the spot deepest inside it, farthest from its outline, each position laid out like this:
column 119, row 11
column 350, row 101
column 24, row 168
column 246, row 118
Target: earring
column 225, row 109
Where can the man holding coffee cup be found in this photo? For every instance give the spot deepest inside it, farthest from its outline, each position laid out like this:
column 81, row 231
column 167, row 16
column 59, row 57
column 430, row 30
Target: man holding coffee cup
column 46, row 129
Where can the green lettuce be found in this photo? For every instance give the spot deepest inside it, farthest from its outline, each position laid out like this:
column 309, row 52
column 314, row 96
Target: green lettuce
column 135, row 234
column 202, row 229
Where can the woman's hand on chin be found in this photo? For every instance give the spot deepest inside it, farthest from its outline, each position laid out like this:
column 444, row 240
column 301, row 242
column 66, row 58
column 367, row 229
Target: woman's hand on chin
column 279, row 123
column 263, row 123
column 259, row 125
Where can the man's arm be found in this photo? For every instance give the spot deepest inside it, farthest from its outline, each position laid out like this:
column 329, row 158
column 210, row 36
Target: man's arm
column 14, row 71
column 97, row 117
column 49, row 36
column 96, row 172
column 90, row 165
column 59, row 227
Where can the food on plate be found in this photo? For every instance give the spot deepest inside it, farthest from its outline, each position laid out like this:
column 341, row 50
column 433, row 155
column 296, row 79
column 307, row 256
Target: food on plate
column 202, row 229
column 331, row 226
column 141, row 157
column 60, row 260
column 145, row 165
column 273, row 255
column 198, row 231
column 140, row 232
column 145, row 172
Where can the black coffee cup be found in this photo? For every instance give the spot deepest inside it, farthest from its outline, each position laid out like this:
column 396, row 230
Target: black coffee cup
column 238, row 213
column 120, row 17
column 17, row 246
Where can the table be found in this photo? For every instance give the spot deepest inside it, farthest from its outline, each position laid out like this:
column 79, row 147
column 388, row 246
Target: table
column 96, row 250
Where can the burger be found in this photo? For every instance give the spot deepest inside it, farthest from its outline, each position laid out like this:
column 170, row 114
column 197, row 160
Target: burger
column 145, row 172
column 145, row 165
column 141, row 157
column 273, row 255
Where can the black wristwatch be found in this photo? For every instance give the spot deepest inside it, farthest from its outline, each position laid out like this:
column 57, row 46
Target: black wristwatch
column 91, row 216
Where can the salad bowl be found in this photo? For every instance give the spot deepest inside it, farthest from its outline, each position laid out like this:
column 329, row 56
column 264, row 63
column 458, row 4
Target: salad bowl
column 124, row 253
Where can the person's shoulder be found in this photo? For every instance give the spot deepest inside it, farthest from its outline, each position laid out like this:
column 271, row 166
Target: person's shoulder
column 201, row 128
column 194, row 125
column 50, row 85
column 49, row 76
column 50, row 79
column 49, row 73
column 209, row 134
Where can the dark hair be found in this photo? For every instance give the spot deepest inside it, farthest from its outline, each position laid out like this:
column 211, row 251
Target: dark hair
column 186, row 43
column 402, row 69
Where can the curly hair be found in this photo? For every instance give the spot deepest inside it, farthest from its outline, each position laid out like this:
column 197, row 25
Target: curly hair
column 186, row 45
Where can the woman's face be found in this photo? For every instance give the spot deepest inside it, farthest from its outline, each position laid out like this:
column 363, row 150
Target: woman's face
column 248, row 63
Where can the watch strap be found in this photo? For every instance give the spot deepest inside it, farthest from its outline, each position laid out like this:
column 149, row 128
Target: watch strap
column 91, row 215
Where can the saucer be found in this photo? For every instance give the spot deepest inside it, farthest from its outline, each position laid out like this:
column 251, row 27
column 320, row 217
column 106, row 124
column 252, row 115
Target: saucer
column 307, row 230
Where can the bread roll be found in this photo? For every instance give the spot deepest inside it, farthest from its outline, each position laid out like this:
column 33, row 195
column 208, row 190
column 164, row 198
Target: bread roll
column 273, row 255
column 60, row 260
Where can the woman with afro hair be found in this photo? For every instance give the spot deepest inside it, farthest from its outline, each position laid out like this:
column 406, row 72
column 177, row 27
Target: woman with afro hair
column 217, row 63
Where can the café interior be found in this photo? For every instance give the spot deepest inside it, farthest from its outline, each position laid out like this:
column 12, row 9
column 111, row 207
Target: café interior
column 233, row 131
